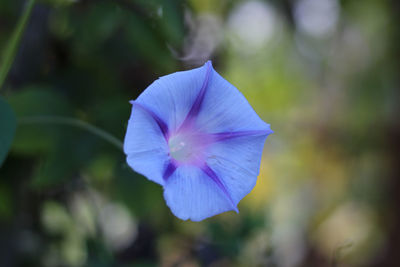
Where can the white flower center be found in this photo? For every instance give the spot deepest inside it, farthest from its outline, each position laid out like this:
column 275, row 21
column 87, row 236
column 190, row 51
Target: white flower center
column 182, row 147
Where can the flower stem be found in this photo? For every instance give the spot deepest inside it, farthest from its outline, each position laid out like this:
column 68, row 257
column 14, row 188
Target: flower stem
column 75, row 123
column 11, row 49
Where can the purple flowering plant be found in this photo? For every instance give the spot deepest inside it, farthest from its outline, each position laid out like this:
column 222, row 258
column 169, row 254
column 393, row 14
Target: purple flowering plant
column 196, row 135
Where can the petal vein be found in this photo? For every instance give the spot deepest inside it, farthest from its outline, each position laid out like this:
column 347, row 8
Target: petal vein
column 230, row 135
column 163, row 126
column 207, row 170
column 195, row 109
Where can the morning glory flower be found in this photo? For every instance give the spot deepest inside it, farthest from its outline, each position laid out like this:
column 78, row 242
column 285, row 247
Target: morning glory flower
column 196, row 135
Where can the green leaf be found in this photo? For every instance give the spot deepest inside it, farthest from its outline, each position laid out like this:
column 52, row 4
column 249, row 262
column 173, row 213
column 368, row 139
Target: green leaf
column 146, row 42
column 6, row 202
column 58, row 3
column 31, row 139
column 72, row 152
column 7, row 128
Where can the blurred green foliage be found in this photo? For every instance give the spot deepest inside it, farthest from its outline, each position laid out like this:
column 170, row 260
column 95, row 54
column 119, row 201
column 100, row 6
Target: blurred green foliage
column 7, row 128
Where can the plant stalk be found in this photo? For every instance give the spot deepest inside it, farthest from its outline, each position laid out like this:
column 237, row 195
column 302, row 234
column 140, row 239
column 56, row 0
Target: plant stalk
column 12, row 47
column 75, row 123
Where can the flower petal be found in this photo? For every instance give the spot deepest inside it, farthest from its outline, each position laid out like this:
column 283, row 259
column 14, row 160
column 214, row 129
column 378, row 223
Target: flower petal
column 145, row 145
column 236, row 161
column 172, row 97
column 161, row 124
column 225, row 109
column 191, row 194
column 218, row 137
column 169, row 170
column 207, row 170
column 182, row 105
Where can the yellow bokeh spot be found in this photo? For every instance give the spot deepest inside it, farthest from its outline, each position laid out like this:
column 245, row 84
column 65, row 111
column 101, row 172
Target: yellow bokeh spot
column 262, row 192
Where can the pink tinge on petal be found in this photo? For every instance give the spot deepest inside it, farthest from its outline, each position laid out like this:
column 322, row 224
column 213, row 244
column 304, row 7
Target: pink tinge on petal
column 188, row 146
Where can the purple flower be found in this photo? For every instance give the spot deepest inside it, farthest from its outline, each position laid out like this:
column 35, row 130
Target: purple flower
column 196, row 135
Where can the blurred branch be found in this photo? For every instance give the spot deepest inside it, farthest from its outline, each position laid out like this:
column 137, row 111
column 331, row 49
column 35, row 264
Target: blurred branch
column 131, row 6
column 75, row 123
column 339, row 251
column 390, row 255
column 286, row 7
column 11, row 48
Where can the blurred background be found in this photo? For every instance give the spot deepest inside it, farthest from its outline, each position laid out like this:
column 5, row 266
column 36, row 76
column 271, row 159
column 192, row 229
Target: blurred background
column 323, row 73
